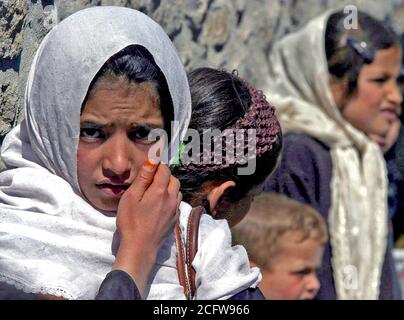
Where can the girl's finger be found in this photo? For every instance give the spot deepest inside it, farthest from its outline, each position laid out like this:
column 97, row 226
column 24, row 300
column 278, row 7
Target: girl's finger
column 144, row 178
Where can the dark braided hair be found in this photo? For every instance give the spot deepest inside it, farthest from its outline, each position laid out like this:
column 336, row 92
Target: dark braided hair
column 220, row 100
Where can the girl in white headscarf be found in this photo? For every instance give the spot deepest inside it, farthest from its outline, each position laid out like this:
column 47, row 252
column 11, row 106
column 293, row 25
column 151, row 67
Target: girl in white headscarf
column 333, row 83
column 81, row 146
column 101, row 80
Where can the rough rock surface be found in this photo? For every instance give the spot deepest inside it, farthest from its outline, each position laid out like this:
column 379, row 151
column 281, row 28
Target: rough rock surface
column 220, row 33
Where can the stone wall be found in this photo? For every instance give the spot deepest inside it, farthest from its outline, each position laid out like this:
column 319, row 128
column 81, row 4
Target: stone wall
column 220, row 33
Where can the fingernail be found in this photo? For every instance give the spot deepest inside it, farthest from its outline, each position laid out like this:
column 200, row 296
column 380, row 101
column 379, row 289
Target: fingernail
column 150, row 164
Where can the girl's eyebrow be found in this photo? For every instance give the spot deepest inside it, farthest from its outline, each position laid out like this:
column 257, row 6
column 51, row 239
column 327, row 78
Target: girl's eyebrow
column 147, row 126
column 92, row 124
column 133, row 126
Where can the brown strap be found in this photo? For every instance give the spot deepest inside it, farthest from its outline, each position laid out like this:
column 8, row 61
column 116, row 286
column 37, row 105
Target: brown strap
column 182, row 275
column 192, row 244
column 183, row 264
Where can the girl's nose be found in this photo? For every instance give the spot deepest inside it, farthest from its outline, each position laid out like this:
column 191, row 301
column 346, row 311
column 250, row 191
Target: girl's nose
column 117, row 161
column 394, row 95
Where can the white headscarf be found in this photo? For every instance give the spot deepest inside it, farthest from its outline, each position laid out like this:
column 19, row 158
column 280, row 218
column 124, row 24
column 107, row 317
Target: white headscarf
column 299, row 87
column 52, row 241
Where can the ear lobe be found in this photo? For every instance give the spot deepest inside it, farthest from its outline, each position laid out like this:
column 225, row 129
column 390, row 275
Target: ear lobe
column 216, row 195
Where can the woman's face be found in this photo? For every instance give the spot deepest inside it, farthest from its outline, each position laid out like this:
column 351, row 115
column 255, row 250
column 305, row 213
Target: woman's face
column 114, row 127
column 377, row 100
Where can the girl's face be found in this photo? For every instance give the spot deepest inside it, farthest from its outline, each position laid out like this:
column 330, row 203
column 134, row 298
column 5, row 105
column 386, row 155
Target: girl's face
column 377, row 100
column 114, row 127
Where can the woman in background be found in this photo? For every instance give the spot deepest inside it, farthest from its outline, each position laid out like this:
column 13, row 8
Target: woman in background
column 331, row 94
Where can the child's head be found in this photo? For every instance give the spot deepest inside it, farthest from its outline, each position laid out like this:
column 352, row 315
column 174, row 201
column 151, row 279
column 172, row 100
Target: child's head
column 364, row 67
column 285, row 238
column 224, row 102
column 128, row 98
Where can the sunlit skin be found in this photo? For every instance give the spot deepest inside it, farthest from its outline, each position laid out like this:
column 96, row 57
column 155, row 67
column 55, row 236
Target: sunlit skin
column 292, row 273
column 114, row 126
column 376, row 102
column 387, row 141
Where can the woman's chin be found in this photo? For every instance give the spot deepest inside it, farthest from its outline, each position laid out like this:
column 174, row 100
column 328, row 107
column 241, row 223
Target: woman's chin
column 107, row 207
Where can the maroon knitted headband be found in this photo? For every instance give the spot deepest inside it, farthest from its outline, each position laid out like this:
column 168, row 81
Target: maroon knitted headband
column 260, row 119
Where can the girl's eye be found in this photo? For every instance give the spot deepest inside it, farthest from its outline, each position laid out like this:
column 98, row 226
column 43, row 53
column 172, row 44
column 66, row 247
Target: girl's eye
column 139, row 134
column 91, row 133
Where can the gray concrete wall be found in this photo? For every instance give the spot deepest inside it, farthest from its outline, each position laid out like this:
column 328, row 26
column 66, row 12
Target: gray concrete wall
column 220, row 33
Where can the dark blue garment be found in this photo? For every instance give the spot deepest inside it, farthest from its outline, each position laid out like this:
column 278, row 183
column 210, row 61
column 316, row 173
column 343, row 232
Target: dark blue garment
column 118, row 285
column 395, row 193
column 398, row 216
column 394, row 177
column 304, row 174
column 249, row 294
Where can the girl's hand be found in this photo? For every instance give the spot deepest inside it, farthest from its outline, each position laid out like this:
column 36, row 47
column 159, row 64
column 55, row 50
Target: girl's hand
column 146, row 215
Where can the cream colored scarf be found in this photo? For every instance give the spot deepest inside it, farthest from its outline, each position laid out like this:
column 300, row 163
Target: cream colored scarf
column 358, row 212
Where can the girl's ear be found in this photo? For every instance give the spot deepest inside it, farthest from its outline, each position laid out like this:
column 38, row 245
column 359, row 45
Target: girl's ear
column 216, row 195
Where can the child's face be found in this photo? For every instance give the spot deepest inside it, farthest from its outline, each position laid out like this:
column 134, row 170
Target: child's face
column 114, row 127
column 293, row 271
column 377, row 100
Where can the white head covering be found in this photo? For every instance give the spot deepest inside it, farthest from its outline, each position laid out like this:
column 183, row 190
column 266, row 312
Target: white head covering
column 52, row 241
column 299, row 87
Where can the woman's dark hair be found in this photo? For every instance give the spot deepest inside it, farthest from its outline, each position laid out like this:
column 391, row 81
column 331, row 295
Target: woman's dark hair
column 347, row 49
column 219, row 99
column 135, row 64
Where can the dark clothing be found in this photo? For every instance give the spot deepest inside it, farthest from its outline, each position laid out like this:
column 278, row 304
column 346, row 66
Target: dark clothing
column 395, row 200
column 394, row 177
column 396, row 192
column 118, row 285
column 304, row 174
column 398, row 217
column 249, row 294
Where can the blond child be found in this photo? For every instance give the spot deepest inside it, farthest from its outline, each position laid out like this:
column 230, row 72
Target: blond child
column 285, row 239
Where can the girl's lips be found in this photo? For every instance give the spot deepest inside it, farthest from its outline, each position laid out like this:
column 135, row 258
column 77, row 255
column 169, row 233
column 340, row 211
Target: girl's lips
column 112, row 189
column 390, row 114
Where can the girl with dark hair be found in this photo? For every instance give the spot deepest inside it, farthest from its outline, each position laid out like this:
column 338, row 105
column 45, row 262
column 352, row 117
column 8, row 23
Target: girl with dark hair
column 225, row 109
column 331, row 94
column 80, row 195
column 223, row 101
